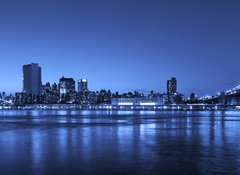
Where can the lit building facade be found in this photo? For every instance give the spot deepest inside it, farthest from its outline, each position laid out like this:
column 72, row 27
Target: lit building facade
column 172, row 86
column 66, row 85
column 82, row 85
column 137, row 101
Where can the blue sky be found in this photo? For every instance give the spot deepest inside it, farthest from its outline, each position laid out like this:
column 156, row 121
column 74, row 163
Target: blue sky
column 124, row 45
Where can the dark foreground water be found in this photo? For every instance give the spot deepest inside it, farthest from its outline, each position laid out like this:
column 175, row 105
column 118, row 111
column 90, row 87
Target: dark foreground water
column 84, row 142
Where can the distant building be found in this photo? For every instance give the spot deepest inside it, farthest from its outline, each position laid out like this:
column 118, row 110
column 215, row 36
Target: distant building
column 67, row 90
column 104, row 96
column 172, row 86
column 137, row 101
column 82, row 85
column 54, row 88
column 32, row 79
column 23, row 98
column 46, row 88
column 54, row 93
column 66, row 85
column 192, row 96
column 20, row 98
column 172, row 90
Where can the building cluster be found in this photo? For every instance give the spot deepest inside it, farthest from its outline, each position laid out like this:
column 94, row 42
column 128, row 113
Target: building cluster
column 63, row 92
column 66, row 92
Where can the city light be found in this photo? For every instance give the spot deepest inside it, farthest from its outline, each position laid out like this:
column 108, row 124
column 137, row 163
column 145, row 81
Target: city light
column 125, row 103
column 65, row 92
column 147, row 103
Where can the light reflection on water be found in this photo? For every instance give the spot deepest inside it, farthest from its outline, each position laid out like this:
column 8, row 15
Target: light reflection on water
column 119, row 142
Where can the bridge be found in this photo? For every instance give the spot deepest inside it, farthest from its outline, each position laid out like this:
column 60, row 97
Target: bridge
column 229, row 97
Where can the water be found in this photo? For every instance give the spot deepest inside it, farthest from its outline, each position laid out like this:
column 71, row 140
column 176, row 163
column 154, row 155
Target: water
column 101, row 142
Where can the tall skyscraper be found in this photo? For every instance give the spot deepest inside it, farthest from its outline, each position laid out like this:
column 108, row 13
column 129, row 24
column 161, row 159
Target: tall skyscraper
column 172, row 86
column 32, row 78
column 82, row 85
column 66, row 85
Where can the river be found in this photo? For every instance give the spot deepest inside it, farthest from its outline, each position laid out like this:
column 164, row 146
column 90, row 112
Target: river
column 119, row 142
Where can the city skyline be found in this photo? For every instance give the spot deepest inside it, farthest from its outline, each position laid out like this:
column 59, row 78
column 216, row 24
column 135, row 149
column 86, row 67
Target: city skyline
column 69, row 91
column 119, row 87
column 123, row 45
column 79, row 81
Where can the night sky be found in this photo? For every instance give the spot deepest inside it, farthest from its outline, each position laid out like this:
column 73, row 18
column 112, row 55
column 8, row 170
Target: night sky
column 124, row 45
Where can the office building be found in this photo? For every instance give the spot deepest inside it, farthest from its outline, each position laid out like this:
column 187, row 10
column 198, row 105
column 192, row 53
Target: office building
column 82, row 85
column 32, row 79
column 172, row 86
column 66, row 85
column 54, row 88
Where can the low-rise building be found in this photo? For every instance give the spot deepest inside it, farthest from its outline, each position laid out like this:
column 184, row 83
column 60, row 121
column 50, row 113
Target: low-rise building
column 137, row 101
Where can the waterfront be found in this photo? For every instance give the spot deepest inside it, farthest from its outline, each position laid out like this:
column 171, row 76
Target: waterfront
column 119, row 142
column 167, row 107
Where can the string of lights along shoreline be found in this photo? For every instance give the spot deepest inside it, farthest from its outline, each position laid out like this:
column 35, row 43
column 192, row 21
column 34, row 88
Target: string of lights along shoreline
column 64, row 92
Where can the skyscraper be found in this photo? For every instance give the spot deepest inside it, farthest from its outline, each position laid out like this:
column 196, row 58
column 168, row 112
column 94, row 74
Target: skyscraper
column 32, row 78
column 82, row 85
column 172, row 86
column 66, row 85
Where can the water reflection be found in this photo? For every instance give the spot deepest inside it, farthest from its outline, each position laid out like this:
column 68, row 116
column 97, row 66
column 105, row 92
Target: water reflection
column 82, row 142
